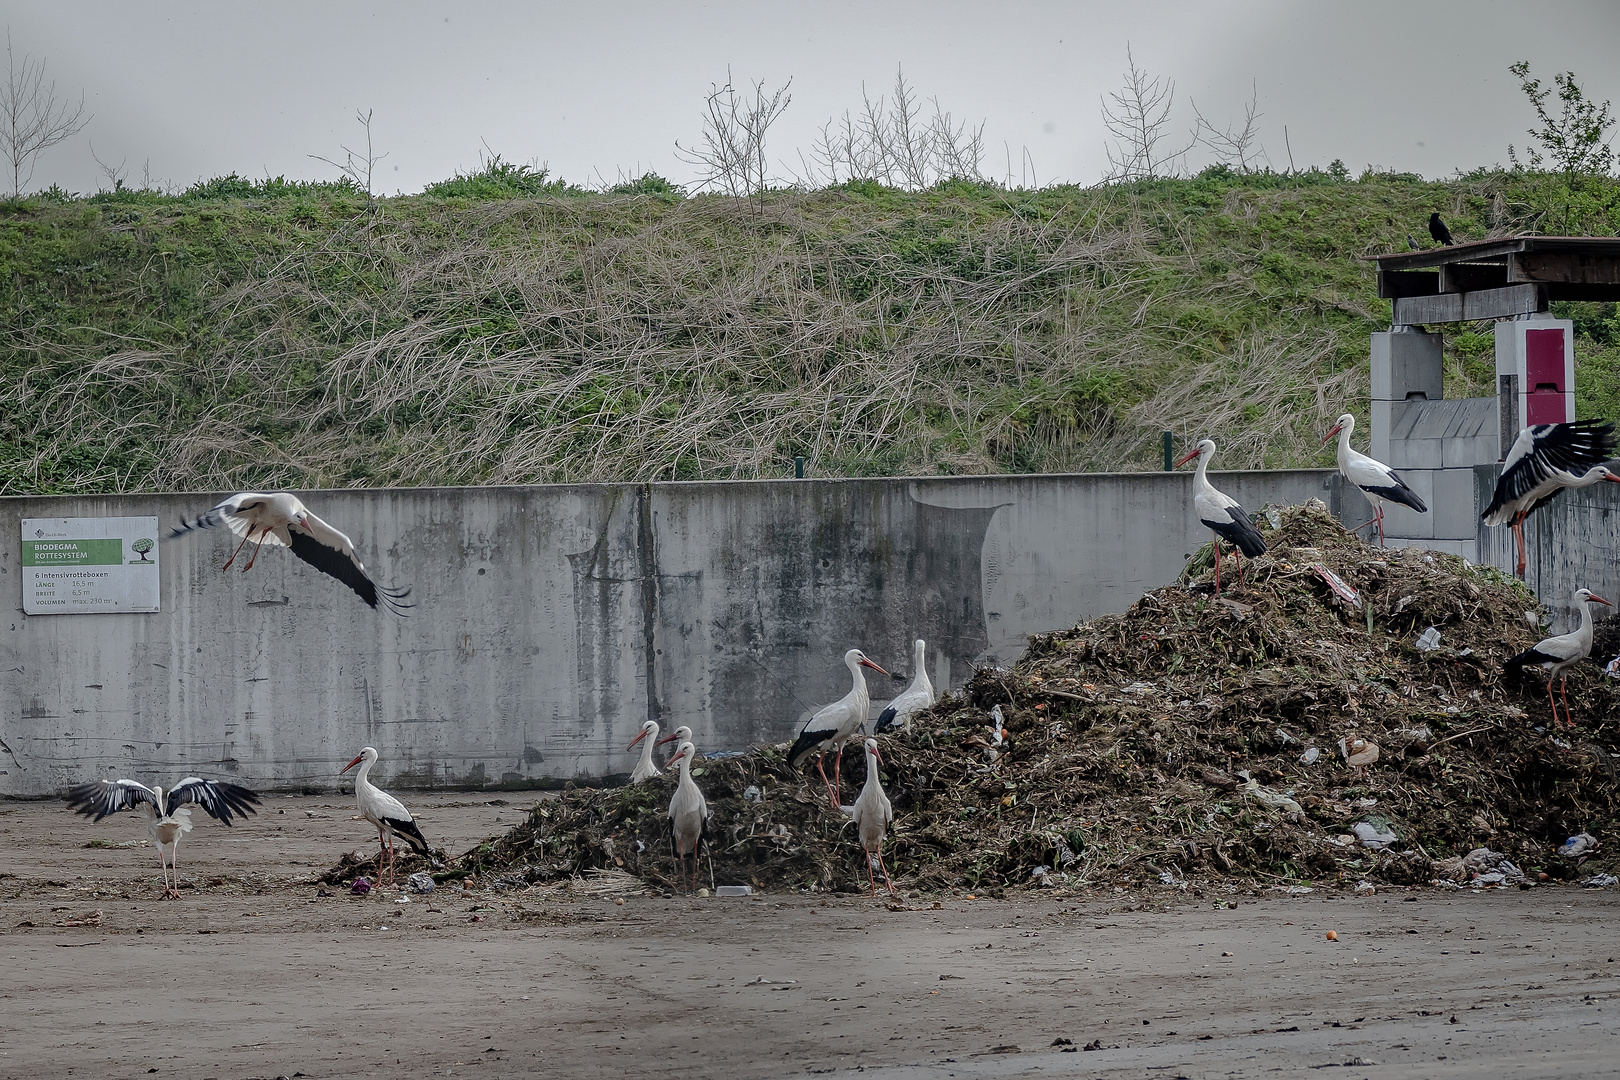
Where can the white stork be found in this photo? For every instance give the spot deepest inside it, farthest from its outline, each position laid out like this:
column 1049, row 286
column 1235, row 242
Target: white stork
column 281, row 520
column 168, row 816
column 834, row 723
column 678, row 736
column 1221, row 514
column 645, row 769
column 1377, row 481
column 385, row 812
column 872, row 813
column 917, row 697
column 1544, row 460
column 1556, row 655
column 688, row 816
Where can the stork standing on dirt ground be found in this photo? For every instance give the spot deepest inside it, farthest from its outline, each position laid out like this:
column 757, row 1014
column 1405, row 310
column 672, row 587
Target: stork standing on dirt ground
column 917, row 697
column 168, row 816
column 385, row 812
column 281, row 520
column 1556, row 655
column 1543, row 461
column 688, row 816
column 872, row 813
column 1377, row 481
column 1221, row 514
column 645, row 769
column 834, row 723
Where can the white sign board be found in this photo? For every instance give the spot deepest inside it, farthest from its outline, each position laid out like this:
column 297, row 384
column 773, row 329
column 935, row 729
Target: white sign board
column 82, row 565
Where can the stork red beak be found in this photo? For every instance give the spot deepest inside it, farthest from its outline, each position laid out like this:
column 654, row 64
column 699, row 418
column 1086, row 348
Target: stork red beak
column 351, row 764
column 1599, row 600
column 867, row 663
column 1611, row 476
column 1336, row 429
column 637, row 739
column 667, row 738
column 671, row 762
column 1188, row 456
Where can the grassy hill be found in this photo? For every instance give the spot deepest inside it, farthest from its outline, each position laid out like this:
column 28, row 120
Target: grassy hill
column 501, row 328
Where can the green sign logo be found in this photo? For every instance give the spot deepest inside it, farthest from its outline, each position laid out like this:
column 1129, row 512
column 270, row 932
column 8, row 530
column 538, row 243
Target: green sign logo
column 141, row 547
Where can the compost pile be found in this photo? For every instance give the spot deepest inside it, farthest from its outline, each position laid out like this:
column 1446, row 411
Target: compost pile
column 1190, row 738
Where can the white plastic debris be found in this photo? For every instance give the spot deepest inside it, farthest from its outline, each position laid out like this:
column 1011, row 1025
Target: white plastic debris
column 751, row 793
column 1309, row 756
column 1272, row 798
column 1365, row 888
column 734, row 890
column 1612, row 668
column 1374, row 836
column 1579, row 844
column 1429, row 640
column 420, row 882
column 1599, row 881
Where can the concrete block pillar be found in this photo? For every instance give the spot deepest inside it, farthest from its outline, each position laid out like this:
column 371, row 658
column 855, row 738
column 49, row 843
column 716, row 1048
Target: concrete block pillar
column 1406, row 363
column 1535, row 373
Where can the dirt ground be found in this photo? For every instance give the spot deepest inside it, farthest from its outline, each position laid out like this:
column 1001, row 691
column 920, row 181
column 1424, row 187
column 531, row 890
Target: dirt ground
column 254, row 975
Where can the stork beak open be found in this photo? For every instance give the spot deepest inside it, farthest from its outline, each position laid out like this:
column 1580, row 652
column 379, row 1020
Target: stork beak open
column 1188, row 456
column 1336, row 429
column 867, row 663
column 637, row 739
column 351, row 764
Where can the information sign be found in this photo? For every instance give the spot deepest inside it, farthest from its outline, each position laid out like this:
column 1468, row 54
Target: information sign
column 84, row 565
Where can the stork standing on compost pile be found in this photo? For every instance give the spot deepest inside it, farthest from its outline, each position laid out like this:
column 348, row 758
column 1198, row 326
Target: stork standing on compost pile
column 385, row 812
column 688, row 816
column 917, row 697
column 168, row 816
column 645, row 769
column 872, row 813
column 834, row 723
column 281, row 520
column 1556, row 655
column 1376, row 480
column 1221, row 514
column 1544, row 460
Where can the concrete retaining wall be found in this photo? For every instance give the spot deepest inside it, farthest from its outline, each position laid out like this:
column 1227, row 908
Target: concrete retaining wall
column 552, row 620
column 1571, row 542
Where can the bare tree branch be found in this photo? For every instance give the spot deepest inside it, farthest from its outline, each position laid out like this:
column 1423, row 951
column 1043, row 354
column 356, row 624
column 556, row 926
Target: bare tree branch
column 32, row 120
column 734, row 133
column 1139, row 122
column 1238, row 149
column 357, row 168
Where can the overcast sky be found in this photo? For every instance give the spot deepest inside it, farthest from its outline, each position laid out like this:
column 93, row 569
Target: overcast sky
column 602, row 90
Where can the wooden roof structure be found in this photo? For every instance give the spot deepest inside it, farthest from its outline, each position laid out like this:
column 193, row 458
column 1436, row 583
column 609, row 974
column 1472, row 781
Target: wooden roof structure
column 1497, row 279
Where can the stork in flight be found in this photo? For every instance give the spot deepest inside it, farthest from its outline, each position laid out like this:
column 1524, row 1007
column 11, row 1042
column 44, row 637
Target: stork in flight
column 385, row 812
column 917, row 697
column 645, row 769
column 688, row 816
column 1221, row 514
column 168, row 816
column 872, row 813
column 281, row 520
column 834, row 723
column 1543, row 461
column 1556, row 655
column 1377, row 481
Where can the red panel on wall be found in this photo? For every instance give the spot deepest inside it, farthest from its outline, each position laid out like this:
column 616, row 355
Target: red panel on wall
column 1544, row 377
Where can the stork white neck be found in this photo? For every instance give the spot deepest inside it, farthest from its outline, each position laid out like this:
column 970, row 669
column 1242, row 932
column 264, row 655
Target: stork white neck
column 858, row 693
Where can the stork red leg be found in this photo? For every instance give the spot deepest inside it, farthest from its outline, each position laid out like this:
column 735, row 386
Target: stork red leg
column 238, row 550
column 838, row 779
column 256, row 549
column 1217, row 546
column 1551, row 702
column 888, row 883
column 820, row 768
column 870, row 879
column 1563, row 692
column 1518, row 542
column 1379, row 518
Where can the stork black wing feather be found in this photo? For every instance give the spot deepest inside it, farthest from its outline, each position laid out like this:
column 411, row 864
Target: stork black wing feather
column 413, row 835
column 1240, row 532
column 1572, row 448
column 885, row 720
column 103, row 798
column 329, row 560
column 217, row 798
